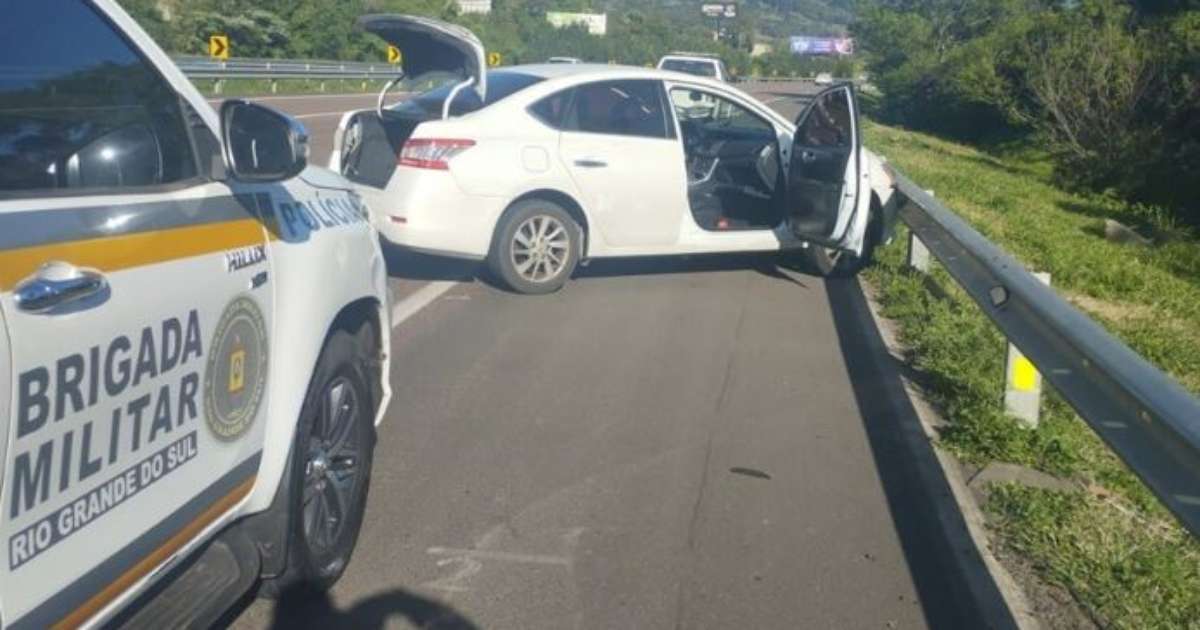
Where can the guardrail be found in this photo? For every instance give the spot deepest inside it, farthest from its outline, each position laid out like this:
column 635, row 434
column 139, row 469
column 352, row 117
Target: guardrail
column 198, row 67
column 275, row 69
column 1144, row 416
column 206, row 68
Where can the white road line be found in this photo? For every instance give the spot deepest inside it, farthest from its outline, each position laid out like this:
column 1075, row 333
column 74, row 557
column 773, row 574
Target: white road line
column 523, row 558
column 318, row 115
column 424, row 296
column 293, row 96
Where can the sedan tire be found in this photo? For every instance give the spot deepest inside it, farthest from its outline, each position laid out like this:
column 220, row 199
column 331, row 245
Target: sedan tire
column 536, row 247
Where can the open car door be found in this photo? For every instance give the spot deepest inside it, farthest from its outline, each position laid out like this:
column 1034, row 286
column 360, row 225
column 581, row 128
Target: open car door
column 823, row 173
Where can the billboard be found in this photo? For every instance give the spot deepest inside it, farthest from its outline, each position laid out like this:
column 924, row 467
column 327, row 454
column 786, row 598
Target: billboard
column 805, row 45
column 595, row 23
column 719, row 9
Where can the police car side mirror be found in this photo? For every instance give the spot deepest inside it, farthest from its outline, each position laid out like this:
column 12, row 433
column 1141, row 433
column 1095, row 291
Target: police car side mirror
column 261, row 144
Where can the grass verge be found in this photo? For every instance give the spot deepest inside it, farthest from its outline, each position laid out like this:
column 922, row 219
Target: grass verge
column 1110, row 544
column 262, row 87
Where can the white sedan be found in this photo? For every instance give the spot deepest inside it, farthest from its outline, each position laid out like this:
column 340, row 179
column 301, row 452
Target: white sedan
column 535, row 168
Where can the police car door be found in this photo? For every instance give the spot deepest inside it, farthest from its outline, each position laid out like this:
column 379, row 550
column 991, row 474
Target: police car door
column 134, row 288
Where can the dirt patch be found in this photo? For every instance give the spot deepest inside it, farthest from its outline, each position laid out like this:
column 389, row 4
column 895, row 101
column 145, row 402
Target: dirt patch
column 1054, row 606
column 1112, row 311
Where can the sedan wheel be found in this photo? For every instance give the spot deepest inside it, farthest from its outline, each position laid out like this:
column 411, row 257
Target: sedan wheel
column 536, row 247
column 540, row 248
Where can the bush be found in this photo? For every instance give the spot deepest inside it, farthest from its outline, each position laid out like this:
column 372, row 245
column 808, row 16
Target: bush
column 1091, row 77
column 1111, row 87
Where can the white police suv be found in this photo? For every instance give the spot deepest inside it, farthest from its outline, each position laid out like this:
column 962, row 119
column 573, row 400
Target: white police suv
column 192, row 325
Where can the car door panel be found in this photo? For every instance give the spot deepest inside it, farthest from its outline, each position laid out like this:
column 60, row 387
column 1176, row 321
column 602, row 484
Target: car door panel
column 630, row 175
column 136, row 399
column 127, row 404
column 823, row 170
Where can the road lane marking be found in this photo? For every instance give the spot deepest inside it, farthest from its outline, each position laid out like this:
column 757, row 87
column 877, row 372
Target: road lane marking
column 425, row 296
column 504, row 556
column 295, row 96
column 319, row 114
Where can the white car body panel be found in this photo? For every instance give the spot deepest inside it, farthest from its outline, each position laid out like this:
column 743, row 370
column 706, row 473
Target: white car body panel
column 318, row 261
column 455, row 212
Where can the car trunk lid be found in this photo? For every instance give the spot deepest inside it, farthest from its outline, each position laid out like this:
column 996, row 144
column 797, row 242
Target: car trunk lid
column 427, row 45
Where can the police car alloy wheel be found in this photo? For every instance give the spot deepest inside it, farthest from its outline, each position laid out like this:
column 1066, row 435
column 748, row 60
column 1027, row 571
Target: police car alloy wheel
column 332, row 455
column 536, row 247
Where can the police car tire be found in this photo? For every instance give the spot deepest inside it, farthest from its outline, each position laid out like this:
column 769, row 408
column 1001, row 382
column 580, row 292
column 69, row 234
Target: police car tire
column 500, row 258
column 306, row 571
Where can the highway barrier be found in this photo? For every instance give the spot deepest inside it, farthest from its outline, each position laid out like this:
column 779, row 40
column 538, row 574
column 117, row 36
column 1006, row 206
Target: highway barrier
column 275, row 69
column 1148, row 419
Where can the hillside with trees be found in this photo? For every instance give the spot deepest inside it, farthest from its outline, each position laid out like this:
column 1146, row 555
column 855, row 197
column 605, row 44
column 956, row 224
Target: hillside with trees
column 1110, row 88
column 640, row 31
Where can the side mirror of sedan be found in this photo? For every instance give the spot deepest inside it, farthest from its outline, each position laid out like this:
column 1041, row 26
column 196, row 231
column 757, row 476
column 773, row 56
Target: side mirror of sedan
column 261, row 144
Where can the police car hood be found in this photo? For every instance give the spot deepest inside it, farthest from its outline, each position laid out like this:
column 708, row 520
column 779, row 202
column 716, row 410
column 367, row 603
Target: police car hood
column 320, row 176
column 428, row 45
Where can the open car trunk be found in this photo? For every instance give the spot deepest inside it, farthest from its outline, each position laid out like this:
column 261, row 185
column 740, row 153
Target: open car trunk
column 369, row 142
column 369, row 145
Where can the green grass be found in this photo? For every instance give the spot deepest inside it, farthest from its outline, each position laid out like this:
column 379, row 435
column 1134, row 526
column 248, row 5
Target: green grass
column 260, row 87
column 1149, row 297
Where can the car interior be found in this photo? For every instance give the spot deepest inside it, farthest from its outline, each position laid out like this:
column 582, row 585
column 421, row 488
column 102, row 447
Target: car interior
column 735, row 178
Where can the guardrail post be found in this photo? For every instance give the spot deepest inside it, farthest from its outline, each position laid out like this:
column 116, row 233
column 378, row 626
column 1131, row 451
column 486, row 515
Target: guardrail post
column 918, row 254
column 1023, row 382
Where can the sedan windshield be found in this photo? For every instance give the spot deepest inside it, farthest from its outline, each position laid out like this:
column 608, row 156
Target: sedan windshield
column 698, row 68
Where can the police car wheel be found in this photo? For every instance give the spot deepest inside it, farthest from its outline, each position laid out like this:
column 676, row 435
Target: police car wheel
column 331, row 467
column 536, row 248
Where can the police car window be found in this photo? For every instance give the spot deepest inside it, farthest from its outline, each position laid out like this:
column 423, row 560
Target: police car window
column 622, row 108
column 80, row 108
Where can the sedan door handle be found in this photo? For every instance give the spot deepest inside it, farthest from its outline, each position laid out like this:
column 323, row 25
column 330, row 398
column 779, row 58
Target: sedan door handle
column 57, row 283
column 808, row 157
column 590, row 163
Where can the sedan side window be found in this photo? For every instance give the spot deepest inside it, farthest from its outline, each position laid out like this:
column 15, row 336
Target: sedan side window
column 622, row 108
column 80, row 108
column 828, row 122
column 552, row 109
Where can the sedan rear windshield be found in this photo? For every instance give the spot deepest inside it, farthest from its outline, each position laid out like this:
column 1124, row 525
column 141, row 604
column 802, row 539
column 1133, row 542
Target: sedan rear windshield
column 698, row 68
column 500, row 85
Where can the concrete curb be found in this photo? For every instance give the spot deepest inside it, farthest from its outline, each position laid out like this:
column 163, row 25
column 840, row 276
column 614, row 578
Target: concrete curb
column 972, row 553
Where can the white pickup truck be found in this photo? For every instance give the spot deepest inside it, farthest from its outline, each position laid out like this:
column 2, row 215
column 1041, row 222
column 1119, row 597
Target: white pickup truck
column 193, row 327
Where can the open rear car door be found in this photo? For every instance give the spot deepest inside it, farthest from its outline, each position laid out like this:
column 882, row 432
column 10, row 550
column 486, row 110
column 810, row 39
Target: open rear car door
column 823, row 172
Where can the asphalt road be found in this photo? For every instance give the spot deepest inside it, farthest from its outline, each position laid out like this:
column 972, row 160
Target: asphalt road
column 671, row 443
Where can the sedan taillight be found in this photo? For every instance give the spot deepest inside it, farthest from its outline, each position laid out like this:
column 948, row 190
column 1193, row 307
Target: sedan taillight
column 432, row 153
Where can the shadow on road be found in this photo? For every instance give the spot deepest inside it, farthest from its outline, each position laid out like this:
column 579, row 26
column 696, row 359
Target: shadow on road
column 771, row 265
column 405, row 264
column 954, row 586
column 306, row 609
